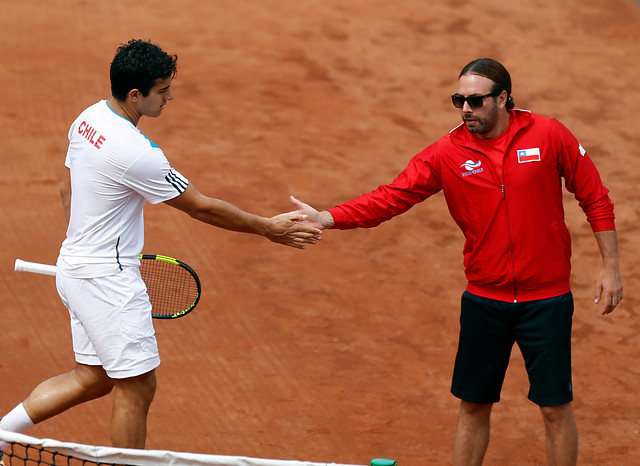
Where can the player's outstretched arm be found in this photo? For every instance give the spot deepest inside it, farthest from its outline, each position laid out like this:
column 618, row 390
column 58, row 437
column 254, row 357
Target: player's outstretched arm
column 319, row 219
column 287, row 228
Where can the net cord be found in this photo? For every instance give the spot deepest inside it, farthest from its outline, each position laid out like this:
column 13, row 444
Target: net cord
column 111, row 455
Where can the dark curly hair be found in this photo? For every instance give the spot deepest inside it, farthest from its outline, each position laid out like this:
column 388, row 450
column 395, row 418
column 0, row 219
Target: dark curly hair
column 137, row 65
column 493, row 70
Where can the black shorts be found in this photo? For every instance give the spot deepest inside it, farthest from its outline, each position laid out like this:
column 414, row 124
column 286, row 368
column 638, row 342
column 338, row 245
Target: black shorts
column 488, row 330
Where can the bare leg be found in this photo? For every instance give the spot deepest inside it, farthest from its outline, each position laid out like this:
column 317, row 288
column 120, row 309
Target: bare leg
column 472, row 434
column 132, row 399
column 562, row 435
column 64, row 391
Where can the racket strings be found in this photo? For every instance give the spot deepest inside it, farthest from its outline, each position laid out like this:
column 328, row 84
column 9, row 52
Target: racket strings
column 171, row 288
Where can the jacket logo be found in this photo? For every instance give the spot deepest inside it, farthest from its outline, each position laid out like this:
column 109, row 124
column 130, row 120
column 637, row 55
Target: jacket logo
column 471, row 167
column 529, row 155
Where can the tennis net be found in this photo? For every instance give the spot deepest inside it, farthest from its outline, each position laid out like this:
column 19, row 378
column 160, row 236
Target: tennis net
column 25, row 450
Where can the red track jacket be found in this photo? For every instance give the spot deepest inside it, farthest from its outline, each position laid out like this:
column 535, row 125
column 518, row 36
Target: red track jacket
column 517, row 246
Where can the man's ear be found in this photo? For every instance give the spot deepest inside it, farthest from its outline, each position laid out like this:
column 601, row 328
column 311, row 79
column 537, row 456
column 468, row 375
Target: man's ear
column 134, row 94
column 502, row 99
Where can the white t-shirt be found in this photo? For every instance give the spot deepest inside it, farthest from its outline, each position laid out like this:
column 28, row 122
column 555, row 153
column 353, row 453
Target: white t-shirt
column 114, row 170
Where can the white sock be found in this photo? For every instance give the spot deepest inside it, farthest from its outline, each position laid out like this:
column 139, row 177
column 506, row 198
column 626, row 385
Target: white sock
column 17, row 420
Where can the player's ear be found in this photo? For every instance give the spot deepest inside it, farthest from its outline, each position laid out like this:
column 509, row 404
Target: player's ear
column 134, row 94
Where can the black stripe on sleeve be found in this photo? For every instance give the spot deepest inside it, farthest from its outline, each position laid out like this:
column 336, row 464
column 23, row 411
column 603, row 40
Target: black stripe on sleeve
column 176, row 181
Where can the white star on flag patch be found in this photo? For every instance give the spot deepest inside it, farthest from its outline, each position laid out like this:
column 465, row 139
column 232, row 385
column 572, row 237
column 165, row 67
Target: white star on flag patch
column 529, row 155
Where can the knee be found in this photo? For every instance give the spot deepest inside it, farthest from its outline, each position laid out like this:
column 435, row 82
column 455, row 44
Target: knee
column 100, row 389
column 94, row 383
column 477, row 410
column 149, row 385
column 557, row 414
column 139, row 390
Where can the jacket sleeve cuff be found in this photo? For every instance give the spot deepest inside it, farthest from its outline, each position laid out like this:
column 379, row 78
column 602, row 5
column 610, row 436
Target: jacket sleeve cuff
column 340, row 218
column 606, row 224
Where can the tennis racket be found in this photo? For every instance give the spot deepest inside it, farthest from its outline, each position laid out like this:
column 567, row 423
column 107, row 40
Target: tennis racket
column 173, row 287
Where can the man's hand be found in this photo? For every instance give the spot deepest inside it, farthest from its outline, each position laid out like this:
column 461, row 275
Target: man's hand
column 321, row 220
column 609, row 282
column 608, row 289
column 292, row 229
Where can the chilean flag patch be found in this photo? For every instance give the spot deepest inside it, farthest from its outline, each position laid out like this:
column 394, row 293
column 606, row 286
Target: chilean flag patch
column 529, row 155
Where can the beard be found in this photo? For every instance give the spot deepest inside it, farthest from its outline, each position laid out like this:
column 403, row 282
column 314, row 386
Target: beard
column 481, row 124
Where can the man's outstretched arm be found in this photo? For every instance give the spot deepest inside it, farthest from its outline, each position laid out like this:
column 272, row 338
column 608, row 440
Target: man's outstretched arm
column 287, row 228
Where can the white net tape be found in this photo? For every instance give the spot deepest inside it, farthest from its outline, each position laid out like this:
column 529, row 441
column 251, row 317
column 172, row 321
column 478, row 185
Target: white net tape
column 54, row 452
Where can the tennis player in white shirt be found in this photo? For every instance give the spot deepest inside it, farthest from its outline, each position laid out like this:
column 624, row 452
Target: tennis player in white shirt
column 113, row 170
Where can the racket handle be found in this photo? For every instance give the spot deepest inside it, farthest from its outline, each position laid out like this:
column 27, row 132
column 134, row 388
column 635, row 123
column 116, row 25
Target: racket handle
column 34, row 267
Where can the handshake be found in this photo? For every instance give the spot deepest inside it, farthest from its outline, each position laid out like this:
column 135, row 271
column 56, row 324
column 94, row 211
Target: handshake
column 298, row 227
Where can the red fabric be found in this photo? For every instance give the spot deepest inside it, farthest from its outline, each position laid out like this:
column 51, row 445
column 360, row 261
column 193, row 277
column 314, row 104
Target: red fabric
column 517, row 244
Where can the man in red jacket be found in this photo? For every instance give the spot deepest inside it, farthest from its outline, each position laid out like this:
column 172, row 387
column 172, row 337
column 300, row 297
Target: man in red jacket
column 501, row 173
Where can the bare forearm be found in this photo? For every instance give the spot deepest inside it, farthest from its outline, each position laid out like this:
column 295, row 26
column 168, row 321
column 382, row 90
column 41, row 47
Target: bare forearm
column 217, row 212
column 287, row 229
column 608, row 245
column 224, row 215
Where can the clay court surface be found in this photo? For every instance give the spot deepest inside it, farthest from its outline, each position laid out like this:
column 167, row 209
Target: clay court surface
column 342, row 352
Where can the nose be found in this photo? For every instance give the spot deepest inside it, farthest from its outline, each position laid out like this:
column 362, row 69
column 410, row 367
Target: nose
column 169, row 95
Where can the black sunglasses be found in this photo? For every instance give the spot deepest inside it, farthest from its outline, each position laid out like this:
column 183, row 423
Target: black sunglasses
column 474, row 101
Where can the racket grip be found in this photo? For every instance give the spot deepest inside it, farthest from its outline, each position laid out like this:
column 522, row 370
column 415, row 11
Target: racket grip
column 34, row 267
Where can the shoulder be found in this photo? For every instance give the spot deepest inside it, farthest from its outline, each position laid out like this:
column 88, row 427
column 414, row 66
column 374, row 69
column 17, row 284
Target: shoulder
column 454, row 136
column 435, row 149
column 98, row 110
column 555, row 127
column 559, row 138
column 542, row 126
column 126, row 136
column 86, row 113
column 528, row 118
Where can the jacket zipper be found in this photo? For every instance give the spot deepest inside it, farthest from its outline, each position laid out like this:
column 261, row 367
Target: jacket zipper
column 504, row 197
column 513, row 260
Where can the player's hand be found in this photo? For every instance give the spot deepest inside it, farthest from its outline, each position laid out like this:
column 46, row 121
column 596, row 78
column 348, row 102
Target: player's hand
column 315, row 218
column 292, row 229
column 608, row 289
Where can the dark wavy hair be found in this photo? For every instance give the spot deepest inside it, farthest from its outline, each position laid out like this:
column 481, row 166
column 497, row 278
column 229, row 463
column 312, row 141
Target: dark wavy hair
column 493, row 70
column 137, row 65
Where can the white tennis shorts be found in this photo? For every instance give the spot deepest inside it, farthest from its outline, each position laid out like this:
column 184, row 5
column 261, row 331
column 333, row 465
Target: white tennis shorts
column 111, row 322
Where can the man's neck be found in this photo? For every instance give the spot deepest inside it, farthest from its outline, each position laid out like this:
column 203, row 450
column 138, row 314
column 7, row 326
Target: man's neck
column 122, row 109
